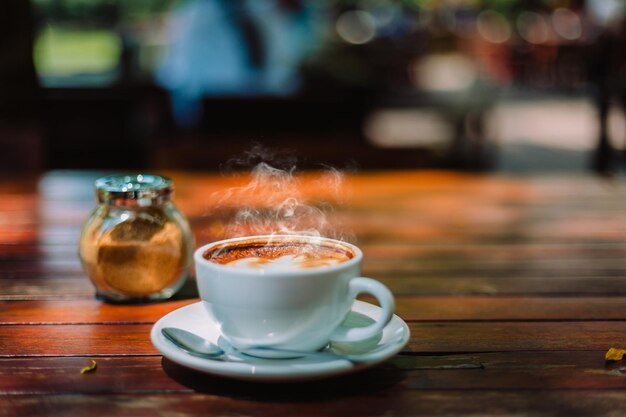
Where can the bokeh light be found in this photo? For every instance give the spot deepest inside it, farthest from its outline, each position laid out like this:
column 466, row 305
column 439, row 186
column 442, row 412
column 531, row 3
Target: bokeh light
column 356, row 27
column 567, row 24
column 493, row 26
column 444, row 72
column 533, row 27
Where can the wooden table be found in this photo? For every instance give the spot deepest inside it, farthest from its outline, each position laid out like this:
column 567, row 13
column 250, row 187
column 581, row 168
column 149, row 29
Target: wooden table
column 513, row 288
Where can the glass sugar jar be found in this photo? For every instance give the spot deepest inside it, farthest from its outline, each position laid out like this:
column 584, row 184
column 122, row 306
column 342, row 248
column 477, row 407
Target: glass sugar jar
column 136, row 246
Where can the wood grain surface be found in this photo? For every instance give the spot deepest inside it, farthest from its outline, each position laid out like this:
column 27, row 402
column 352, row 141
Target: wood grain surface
column 513, row 289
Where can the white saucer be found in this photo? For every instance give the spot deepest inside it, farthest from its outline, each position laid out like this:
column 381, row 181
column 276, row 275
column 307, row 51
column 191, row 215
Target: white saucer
column 194, row 318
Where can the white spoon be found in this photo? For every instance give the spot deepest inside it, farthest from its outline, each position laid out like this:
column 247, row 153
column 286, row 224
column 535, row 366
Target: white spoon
column 199, row 346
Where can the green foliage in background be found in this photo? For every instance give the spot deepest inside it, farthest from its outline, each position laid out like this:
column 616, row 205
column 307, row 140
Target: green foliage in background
column 67, row 51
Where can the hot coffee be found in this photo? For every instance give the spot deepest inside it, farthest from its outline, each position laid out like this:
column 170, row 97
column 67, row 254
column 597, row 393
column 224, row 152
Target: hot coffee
column 308, row 287
column 278, row 253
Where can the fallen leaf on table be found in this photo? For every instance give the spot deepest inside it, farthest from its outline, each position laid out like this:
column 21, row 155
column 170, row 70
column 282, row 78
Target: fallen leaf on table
column 614, row 354
column 89, row 368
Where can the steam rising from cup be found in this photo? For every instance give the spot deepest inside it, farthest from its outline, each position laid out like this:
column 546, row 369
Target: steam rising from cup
column 277, row 201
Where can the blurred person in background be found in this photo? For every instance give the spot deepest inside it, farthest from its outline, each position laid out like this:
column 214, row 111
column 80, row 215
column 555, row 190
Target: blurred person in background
column 607, row 73
column 233, row 48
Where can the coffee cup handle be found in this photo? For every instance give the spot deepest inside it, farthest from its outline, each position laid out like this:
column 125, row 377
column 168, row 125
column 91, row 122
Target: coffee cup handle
column 370, row 286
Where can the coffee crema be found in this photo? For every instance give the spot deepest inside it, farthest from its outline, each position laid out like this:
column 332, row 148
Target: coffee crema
column 278, row 254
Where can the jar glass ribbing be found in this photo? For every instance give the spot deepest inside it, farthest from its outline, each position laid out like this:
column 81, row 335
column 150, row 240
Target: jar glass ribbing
column 136, row 245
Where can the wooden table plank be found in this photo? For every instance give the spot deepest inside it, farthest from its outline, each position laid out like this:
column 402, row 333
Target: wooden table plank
column 515, row 336
column 133, row 339
column 90, row 311
column 480, row 308
column 61, row 287
column 410, row 308
column 535, row 371
column 266, row 403
column 50, row 287
column 574, row 286
column 442, row 266
column 394, row 228
column 390, row 251
column 73, row 340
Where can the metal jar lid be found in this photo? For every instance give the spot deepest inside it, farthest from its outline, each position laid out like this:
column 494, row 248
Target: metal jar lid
column 134, row 189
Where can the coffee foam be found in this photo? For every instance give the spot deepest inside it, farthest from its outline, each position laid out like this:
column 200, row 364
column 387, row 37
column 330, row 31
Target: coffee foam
column 281, row 255
column 285, row 262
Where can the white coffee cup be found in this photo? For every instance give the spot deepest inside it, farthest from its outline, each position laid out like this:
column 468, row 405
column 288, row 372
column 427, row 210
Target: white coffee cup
column 287, row 307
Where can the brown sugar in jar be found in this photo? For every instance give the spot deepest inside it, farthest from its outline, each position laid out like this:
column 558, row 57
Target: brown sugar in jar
column 136, row 245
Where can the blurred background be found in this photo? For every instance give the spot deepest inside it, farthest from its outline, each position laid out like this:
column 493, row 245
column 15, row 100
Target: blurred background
column 507, row 85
